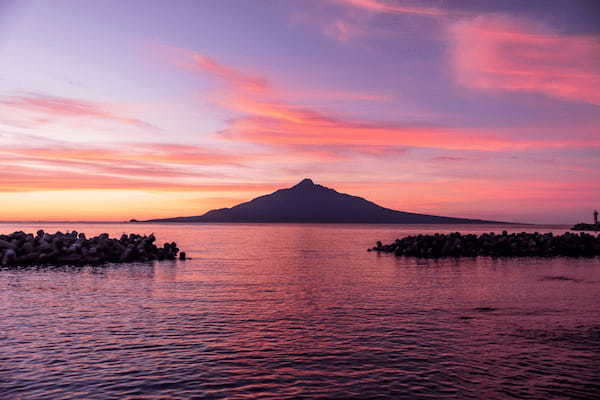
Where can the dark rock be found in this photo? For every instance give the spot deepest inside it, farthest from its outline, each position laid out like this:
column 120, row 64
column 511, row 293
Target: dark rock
column 491, row 245
column 72, row 248
column 586, row 227
column 10, row 256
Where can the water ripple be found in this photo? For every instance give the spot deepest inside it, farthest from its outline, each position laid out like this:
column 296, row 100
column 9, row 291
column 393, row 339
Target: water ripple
column 302, row 312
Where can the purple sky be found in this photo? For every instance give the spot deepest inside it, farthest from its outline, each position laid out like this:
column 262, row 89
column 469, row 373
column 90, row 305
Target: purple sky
column 113, row 110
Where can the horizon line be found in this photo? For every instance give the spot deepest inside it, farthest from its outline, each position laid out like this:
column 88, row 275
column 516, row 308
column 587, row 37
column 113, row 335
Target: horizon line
column 357, row 223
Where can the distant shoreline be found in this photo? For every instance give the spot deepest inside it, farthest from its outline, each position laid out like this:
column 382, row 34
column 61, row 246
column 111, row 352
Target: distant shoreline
column 490, row 225
column 64, row 222
column 332, row 222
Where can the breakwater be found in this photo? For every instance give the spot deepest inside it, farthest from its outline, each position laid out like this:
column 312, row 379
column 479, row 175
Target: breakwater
column 73, row 248
column 586, row 227
column 494, row 245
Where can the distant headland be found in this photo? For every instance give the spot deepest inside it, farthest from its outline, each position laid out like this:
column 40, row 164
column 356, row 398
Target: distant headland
column 308, row 202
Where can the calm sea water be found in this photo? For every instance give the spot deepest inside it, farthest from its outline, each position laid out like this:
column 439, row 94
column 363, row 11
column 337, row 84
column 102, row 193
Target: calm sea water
column 300, row 311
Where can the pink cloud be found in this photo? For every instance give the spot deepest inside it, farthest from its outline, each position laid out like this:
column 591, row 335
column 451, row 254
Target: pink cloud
column 355, row 18
column 267, row 119
column 393, row 8
column 169, row 165
column 51, row 106
column 24, row 179
column 133, row 152
column 197, row 62
column 449, row 159
column 276, row 123
column 26, row 168
column 336, row 95
column 377, row 135
column 500, row 53
column 343, row 30
column 234, row 77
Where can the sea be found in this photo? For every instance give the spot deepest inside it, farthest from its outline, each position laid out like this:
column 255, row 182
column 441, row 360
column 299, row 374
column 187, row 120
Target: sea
column 300, row 311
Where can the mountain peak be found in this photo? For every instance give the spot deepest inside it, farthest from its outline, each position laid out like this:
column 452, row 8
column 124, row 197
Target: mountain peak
column 305, row 183
column 310, row 202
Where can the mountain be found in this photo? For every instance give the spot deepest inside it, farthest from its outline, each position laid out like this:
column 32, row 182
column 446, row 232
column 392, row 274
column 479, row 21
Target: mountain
column 307, row 202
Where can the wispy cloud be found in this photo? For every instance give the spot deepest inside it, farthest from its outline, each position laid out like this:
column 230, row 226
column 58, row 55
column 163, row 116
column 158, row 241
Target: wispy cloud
column 196, row 62
column 175, row 166
column 137, row 152
column 232, row 76
column 349, row 22
column 394, row 7
column 344, row 30
column 48, row 107
column 75, row 166
column 502, row 53
column 267, row 119
column 448, row 159
column 24, row 179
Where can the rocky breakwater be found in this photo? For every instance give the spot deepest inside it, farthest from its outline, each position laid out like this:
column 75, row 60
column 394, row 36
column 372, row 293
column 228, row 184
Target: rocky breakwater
column 494, row 245
column 585, row 227
column 72, row 248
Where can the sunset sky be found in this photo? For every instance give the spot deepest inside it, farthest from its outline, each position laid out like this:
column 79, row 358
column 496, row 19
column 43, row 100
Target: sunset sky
column 111, row 110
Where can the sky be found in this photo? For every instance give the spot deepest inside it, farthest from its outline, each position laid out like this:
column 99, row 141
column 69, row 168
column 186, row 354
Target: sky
column 111, row 110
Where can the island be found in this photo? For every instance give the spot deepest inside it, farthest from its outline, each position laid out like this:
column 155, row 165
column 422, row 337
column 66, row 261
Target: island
column 308, row 202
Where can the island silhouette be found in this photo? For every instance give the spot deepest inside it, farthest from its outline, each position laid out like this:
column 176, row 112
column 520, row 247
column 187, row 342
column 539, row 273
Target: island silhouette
column 312, row 203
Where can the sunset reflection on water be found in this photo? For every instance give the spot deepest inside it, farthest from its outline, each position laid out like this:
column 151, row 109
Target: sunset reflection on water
column 288, row 311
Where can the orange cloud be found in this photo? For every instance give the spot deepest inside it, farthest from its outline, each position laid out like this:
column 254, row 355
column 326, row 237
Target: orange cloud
column 26, row 179
column 73, row 108
column 498, row 53
column 69, row 166
column 66, row 166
